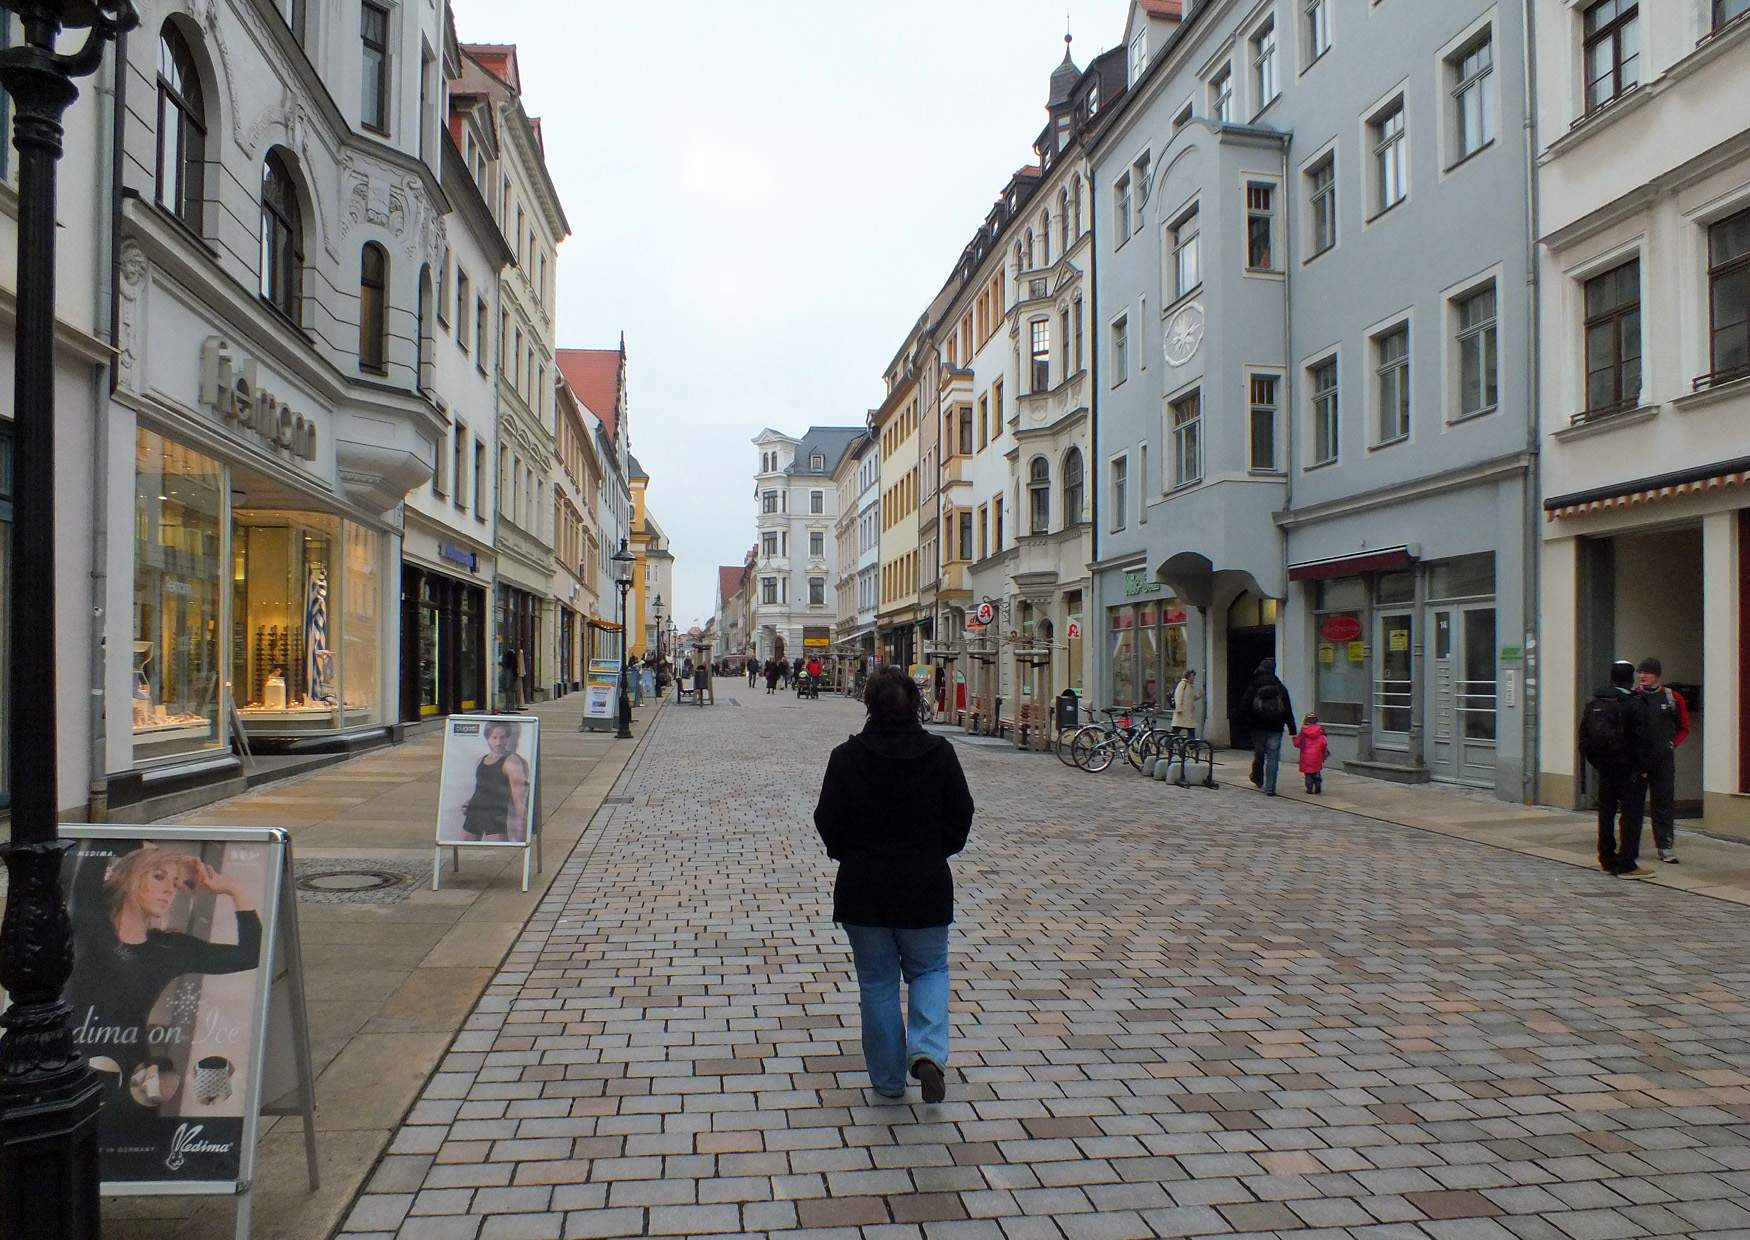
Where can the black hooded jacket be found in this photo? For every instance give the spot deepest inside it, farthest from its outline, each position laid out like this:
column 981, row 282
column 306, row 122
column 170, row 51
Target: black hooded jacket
column 893, row 808
column 1266, row 675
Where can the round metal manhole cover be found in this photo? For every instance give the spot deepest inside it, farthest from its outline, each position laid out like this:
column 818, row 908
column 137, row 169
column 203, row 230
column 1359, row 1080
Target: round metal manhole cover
column 346, row 881
column 350, row 881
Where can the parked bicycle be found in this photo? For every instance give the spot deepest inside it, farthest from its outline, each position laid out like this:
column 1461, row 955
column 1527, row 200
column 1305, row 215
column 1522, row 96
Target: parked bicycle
column 1095, row 746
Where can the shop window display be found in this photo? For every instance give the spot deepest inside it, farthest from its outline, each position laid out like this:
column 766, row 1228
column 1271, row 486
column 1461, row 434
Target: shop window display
column 284, row 665
column 1342, row 650
column 361, row 624
column 1121, row 641
column 178, row 517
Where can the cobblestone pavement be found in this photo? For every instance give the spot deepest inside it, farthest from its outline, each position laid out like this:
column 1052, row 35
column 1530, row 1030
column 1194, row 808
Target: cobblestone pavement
column 1176, row 1013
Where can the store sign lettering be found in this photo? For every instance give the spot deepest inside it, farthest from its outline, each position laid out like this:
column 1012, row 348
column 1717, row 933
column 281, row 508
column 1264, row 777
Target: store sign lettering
column 1137, row 583
column 231, row 389
column 457, row 555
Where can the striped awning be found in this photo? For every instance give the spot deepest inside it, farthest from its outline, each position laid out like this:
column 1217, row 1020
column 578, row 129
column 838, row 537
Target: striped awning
column 1585, row 505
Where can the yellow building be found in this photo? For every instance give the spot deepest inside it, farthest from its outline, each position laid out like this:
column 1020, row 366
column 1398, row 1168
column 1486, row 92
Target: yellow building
column 896, row 429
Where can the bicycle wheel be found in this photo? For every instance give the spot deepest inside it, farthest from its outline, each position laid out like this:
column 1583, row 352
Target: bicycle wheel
column 1066, row 743
column 1137, row 749
column 1092, row 750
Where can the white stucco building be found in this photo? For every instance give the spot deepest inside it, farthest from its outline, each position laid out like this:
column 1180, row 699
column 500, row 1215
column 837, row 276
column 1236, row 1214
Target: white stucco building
column 282, row 226
column 796, row 507
column 1644, row 376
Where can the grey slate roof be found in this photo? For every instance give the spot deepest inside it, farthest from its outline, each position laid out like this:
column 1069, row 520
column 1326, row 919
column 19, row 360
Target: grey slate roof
column 830, row 442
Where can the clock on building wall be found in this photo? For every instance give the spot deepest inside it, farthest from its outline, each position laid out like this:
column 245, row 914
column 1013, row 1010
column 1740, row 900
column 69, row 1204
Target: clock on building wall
column 1183, row 334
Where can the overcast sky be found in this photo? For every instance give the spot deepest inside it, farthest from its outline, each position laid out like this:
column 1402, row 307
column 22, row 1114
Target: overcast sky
column 764, row 195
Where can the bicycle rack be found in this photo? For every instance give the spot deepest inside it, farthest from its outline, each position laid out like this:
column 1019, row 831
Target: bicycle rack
column 1184, row 751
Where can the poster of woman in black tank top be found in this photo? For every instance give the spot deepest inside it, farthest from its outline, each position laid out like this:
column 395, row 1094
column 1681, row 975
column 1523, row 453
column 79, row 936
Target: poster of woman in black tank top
column 488, row 781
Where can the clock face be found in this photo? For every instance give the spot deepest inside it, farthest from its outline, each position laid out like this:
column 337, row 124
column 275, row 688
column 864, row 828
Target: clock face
column 1183, row 334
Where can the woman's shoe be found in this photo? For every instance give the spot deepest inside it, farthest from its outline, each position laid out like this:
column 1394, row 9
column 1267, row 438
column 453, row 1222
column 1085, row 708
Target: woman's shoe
column 930, row 1077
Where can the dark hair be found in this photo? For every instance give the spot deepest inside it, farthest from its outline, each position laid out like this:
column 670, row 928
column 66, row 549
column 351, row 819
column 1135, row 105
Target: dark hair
column 891, row 697
column 1622, row 673
column 1652, row 666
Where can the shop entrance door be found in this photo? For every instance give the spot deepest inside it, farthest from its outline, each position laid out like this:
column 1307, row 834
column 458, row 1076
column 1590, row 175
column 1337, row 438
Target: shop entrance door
column 1463, row 703
column 1393, row 688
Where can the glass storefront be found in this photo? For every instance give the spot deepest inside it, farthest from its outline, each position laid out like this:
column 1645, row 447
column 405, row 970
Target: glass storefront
column 1148, row 651
column 179, row 509
column 252, row 600
column 442, row 637
column 1342, row 650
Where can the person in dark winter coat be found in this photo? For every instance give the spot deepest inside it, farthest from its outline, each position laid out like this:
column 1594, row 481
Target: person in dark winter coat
column 771, row 675
column 1267, row 711
column 1667, row 727
column 893, row 808
column 1614, row 739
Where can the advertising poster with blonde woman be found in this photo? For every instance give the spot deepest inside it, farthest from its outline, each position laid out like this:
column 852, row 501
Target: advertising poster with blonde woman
column 487, row 795
column 167, row 995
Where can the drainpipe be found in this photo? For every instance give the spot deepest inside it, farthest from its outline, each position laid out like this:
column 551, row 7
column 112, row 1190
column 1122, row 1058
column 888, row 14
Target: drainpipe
column 1533, row 482
column 1092, row 606
column 111, row 81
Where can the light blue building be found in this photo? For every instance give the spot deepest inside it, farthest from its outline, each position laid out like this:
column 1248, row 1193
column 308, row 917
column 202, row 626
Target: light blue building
column 1314, row 432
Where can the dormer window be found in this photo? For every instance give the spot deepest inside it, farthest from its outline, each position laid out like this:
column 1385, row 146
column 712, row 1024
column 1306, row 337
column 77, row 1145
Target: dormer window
column 817, row 462
column 1138, row 55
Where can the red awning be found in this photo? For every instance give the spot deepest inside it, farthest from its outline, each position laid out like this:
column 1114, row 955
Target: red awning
column 1389, row 560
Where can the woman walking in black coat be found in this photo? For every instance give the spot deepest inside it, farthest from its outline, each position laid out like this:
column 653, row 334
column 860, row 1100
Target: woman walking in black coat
column 893, row 808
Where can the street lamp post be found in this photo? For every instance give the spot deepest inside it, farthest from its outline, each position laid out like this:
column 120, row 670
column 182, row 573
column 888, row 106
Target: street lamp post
column 623, row 560
column 49, row 1097
column 656, row 614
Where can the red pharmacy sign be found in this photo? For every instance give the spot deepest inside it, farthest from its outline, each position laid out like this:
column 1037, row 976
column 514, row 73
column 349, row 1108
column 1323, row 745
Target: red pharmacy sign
column 1340, row 628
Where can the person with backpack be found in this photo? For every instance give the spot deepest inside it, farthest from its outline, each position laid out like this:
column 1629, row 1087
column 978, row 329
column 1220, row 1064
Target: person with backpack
column 1667, row 728
column 1613, row 738
column 1267, row 710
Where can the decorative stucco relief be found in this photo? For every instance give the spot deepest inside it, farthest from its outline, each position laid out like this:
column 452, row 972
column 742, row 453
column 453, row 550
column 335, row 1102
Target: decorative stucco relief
column 134, row 270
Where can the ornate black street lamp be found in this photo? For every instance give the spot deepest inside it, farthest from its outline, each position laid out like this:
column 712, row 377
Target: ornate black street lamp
column 623, row 561
column 49, row 1097
column 656, row 613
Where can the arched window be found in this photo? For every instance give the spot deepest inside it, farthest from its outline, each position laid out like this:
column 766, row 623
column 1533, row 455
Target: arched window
column 1075, row 197
column 1020, row 263
column 373, row 308
column 1045, row 238
column 1039, row 496
column 422, row 376
column 182, row 129
column 282, row 237
column 1072, row 487
column 1030, row 250
column 1063, row 220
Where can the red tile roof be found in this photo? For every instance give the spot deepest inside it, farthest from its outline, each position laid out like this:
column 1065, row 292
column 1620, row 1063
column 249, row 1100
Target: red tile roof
column 729, row 579
column 1174, row 9
column 594, row 378
column 498, row 59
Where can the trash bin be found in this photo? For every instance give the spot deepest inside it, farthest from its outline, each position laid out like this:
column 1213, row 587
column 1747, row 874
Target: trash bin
column 1069, row 710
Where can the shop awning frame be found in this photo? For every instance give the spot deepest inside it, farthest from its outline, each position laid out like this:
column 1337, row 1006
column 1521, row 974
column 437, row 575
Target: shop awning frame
column 1384, row 560
column 1723, row 475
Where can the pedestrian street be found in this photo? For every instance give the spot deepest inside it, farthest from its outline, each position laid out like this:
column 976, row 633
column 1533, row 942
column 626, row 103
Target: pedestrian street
column 1176, row 1012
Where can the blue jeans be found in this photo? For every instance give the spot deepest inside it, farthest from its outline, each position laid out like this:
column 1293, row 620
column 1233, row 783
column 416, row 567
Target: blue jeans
column 1268, row 748
column 892, row 1045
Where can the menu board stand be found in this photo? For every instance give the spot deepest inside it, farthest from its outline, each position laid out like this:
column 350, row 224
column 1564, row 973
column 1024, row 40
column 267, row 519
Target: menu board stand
column 281, row 1068
column 454, row 797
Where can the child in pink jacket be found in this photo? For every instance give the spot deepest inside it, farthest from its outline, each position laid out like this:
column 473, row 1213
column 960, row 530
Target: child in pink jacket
column 1313, row 746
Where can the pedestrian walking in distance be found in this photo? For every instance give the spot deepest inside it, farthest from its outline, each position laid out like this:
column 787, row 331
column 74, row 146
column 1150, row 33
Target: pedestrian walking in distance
column 1613, row 738
column 893, row 808
column 1185, row 699
column 1667, row 728
column 1267, row 710
column 753, row 671
column 1314, row 748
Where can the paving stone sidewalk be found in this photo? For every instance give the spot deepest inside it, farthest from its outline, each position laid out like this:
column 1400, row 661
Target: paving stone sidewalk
column 1176, row 1013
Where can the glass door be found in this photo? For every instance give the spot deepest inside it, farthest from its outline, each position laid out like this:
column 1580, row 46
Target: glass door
column 1477, row 697
column 429, row 646
column 1393, row 688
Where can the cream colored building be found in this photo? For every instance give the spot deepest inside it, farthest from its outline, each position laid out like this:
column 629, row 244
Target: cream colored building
column 1644, row 388
column 895, row 425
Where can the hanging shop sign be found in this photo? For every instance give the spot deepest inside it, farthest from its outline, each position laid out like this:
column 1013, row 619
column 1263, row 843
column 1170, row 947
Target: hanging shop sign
column 985, row 613
column 232, row 389
column 1140, row 583
column 1073, row 631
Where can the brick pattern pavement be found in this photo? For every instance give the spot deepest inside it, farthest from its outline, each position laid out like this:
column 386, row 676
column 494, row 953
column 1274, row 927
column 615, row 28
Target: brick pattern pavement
column 1176, row 1013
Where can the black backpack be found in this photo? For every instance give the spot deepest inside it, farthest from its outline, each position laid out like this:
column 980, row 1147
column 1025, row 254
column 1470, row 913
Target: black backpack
column 1604, row 738
column 1268, row 705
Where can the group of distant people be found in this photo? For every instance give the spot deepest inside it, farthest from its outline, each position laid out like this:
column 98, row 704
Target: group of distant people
column 778, row 674
column 1630, row 731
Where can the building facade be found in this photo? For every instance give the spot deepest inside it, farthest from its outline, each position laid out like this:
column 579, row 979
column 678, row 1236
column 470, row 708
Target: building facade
column 283, row 224
column 1643, row 377
column 1310, row 444
column 895, row 426
column 577, row 539
column 533, row 224
column 796, row 508
column 597, row 382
